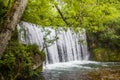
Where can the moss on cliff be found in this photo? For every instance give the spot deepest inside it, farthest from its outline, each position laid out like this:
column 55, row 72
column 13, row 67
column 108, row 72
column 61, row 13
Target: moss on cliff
column 106, row 54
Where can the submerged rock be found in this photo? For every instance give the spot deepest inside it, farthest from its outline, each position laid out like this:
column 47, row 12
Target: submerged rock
column 105, row 74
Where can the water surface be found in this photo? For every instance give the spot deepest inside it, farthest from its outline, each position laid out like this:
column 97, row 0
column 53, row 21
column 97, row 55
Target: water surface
column 75, row 70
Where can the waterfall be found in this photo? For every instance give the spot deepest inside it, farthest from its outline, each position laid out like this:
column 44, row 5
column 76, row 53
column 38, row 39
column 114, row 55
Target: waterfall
column 60, row 45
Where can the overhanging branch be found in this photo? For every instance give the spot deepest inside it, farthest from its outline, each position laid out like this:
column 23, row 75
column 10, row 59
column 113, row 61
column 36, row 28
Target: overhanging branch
column 63, row 18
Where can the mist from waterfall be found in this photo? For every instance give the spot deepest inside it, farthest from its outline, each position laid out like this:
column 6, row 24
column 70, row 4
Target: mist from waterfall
column 60, row 45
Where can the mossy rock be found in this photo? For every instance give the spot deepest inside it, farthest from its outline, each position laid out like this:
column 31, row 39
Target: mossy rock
column 21, row 61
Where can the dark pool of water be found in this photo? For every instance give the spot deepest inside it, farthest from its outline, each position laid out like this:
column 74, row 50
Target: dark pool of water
column 72, row 70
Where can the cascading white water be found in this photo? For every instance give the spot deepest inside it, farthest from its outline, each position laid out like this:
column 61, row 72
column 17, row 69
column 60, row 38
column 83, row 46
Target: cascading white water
column 60, row 45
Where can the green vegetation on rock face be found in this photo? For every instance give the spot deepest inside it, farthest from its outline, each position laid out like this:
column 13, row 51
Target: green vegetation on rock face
column 106, row 54
column 19, row 60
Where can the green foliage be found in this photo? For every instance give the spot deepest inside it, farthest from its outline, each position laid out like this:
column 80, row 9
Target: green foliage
column 4, row 7
column 39, row 12
column 34, row 49
column 89, row 14
column 106, row 54
column 17, row 62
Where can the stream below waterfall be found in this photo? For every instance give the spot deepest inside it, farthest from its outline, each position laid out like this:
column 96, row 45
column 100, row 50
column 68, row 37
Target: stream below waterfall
column 81, row 70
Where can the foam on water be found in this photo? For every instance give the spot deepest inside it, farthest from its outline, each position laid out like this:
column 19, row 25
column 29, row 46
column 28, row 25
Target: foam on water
column 76, row 64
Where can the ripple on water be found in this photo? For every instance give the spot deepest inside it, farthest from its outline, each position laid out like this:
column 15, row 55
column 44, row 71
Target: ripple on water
column 76, row 70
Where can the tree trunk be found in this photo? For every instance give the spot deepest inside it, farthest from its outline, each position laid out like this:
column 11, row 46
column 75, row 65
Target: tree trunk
column 10, row 21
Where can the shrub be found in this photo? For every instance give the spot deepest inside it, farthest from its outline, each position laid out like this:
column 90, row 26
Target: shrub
column 17, row 61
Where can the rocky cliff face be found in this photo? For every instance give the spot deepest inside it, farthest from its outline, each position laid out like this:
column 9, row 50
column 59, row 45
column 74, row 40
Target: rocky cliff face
column 37, row 62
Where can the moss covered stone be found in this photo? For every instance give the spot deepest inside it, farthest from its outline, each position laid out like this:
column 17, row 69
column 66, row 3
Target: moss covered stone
column 20, row 61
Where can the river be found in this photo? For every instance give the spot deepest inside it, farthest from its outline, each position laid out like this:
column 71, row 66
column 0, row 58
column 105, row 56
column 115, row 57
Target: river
column 81, row 70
